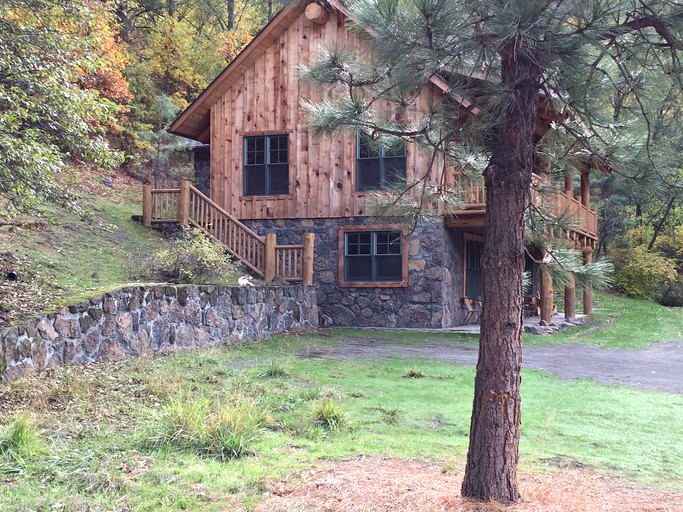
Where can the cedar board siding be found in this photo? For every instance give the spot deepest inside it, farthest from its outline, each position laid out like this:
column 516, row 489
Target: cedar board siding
column 266, row 99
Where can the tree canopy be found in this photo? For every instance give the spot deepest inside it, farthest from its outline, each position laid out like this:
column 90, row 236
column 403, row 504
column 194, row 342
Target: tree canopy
column 60, row 81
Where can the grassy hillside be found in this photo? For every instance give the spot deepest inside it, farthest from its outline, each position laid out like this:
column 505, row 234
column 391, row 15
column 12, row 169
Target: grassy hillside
column 63, row 255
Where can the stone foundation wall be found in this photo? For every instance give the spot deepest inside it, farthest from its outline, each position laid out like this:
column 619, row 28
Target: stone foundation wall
column 430, row 300
column 135, row 320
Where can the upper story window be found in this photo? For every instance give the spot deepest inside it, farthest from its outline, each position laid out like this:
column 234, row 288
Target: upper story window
column 379, row 167
column 266, row 165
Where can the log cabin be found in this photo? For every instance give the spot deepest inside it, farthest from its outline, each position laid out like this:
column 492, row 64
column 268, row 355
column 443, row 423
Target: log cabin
column 263, row 179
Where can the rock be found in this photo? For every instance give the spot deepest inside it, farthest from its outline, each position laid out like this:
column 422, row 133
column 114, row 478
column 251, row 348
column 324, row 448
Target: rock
column 111, row 350
column 10, row 257
column 415, row 316
column 124, row 323
column 68, row 327
column 417, row 264
column 46, row 330
column 109, row 306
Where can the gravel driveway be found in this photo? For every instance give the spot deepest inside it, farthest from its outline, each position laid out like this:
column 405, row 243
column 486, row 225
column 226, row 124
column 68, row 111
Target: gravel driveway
column 656, row 368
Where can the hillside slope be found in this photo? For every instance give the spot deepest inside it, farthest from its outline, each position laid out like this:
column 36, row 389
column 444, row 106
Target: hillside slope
column 62, row 255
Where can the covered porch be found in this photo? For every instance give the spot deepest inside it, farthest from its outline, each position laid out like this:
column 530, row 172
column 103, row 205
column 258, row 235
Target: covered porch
column 581, row 234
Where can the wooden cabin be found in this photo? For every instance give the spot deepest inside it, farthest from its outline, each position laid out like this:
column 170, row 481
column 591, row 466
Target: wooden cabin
column 266, row 170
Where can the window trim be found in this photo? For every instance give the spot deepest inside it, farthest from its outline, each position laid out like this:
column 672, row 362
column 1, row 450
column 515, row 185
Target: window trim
column 403, row 283
column 382, row 165
column 266, row 136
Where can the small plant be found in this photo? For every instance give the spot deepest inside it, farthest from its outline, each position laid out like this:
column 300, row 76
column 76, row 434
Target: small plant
column 20, row 440
column 414, row 373
column 224, row 431
column 274, row 371
column 392, row 416
column 330, row 416
column 191, row 258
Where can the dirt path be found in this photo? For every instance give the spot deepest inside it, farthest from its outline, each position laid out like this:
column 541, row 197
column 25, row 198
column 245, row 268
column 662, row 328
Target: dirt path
column 656, row 368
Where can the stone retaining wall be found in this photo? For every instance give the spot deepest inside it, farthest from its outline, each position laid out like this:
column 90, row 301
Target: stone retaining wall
column 148, row 319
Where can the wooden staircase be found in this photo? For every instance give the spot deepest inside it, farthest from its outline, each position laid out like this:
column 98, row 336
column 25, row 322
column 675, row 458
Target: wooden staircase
column 260, row 254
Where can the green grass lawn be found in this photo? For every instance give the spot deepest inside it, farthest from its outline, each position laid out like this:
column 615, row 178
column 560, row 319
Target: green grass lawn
column 621, row 322
column 134, row 434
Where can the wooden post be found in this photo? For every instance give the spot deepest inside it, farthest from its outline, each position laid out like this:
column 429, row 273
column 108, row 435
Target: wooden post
column 570, row 298
column 307, row 263
column 585, row 189
column 147, row 205
column 588, row 289
column 546, row 295
column 569, row 182
column 184, row 203
column 270, row 260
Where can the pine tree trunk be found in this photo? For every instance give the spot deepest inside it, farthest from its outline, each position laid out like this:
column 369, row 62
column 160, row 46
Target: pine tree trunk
column 491, row 471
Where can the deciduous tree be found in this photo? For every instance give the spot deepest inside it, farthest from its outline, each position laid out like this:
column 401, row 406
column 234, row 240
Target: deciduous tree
column 51, row 111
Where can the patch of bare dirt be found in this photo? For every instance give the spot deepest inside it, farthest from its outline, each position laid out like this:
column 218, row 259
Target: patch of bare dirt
column 392, row 485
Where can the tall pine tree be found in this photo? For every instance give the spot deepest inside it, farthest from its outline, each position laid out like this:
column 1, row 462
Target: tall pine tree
column 498, row 61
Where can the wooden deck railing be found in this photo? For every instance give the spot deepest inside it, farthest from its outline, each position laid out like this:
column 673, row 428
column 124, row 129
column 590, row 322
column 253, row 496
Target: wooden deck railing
column 585, row 220
column 262, row 255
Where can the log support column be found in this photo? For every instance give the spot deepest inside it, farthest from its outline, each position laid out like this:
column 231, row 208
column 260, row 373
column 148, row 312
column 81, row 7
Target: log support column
column 570, row 298
column 546, row 295
column 307, row 263
column 588, row 289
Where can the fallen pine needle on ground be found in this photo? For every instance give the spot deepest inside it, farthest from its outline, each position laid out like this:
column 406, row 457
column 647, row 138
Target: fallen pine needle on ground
column 384, row 485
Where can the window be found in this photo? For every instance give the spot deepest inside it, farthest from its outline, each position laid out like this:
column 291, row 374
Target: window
column 266, row 165
column 379, row 167
column 372, row 257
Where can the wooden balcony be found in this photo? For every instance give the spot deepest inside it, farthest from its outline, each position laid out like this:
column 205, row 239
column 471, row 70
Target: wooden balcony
column 582, row 220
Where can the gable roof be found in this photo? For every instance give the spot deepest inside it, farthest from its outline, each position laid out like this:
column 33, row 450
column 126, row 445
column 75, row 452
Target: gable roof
column 194, row 121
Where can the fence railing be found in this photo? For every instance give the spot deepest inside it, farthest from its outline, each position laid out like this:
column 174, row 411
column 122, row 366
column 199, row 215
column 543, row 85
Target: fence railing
column 584, row 219
column 262, row 255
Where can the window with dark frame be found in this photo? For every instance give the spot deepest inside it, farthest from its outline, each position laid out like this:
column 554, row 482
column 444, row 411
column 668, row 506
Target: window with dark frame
column 373, row 256
column 379, row 167
column 266, row 165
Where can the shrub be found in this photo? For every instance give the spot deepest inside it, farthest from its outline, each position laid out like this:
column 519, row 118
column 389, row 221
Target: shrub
column 671, row 295
column 274, row 371
column 20, row 440
column 224, row 431
column 414, row 373
column 640, row 273
column 191, row 258
column 330, row 416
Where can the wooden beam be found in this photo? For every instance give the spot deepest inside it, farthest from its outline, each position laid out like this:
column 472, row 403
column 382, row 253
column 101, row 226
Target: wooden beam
column 588, row 289
column 546, row 295
column 316, row 13
column 570, row 298
column 184, row 203
column 270, row 259
column 585, row 189
column 147, row 205
column 307, row 263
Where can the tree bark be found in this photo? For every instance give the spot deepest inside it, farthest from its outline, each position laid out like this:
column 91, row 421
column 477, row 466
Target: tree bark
column 491, row 471
column 231, row 14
